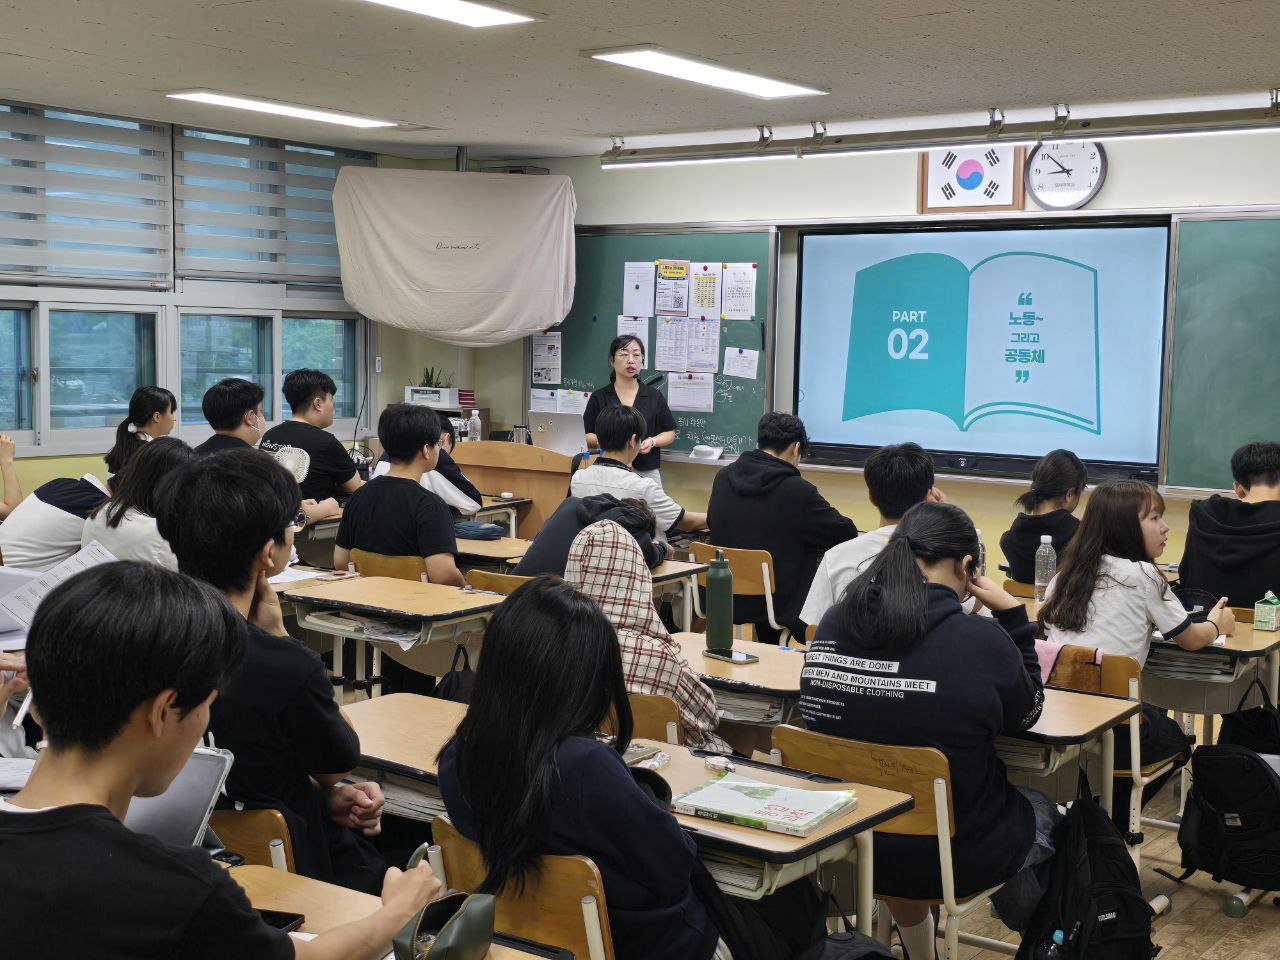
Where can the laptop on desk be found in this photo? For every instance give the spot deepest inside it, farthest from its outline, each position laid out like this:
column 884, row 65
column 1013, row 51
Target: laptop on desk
column 561, row 432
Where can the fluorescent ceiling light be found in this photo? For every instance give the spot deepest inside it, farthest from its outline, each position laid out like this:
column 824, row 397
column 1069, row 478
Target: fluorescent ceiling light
column 657, row 60
column 461, row 11
column 279, row 109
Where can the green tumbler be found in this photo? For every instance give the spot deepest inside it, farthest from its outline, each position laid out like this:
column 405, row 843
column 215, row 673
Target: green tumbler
column 719, row 604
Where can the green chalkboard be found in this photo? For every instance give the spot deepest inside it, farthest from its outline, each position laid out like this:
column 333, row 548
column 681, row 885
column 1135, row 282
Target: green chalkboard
column 597, row 302
column 1225, row 379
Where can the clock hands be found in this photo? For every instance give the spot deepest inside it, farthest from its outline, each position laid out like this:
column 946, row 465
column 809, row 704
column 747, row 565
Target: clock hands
column 1059, row 165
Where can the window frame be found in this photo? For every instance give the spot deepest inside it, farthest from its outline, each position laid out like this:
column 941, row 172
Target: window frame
column 201, row 427
column 27, row 437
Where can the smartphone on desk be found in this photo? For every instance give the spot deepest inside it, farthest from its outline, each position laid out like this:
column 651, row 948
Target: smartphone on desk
column 281, row 920
column 731, row 656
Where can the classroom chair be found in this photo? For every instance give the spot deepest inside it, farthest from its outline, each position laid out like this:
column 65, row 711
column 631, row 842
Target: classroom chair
column 383, row 565
column 561, row 905
column 503, row 583
column 752, row 577
column 653, row 717
column 922, row 772
column 1016, row 588
column 251, row 833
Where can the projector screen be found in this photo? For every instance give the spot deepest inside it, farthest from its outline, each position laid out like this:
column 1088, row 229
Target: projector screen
column 1009, row 342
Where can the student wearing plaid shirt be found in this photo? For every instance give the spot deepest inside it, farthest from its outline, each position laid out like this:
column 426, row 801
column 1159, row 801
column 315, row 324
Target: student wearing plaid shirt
column 606, row 564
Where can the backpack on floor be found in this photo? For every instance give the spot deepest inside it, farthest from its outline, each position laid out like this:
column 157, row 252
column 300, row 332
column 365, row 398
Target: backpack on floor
column 1093, row 907
column 1231, row 824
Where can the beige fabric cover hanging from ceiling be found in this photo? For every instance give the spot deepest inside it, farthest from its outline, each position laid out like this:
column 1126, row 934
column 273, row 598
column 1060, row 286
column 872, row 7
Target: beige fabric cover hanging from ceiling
column 473, row 259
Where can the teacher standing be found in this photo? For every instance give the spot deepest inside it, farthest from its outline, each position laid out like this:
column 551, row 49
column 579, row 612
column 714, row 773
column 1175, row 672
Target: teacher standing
column 626, row 356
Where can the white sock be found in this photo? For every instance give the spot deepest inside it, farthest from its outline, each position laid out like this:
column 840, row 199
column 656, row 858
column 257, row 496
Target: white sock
column 919, row 940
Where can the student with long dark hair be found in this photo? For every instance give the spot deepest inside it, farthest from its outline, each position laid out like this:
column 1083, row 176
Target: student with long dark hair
column 897, row 661
column 126, row 524
column 1048, row 508
column 153, row 412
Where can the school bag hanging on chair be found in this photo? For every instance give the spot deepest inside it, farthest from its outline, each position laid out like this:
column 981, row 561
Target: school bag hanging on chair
column 1092, row 907
column 1257, row 728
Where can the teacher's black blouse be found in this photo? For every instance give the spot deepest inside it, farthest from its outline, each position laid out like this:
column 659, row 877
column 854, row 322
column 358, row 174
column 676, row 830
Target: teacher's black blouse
column 652, row 406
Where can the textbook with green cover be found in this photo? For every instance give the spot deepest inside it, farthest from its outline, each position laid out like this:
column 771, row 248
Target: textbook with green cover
column 764, row 806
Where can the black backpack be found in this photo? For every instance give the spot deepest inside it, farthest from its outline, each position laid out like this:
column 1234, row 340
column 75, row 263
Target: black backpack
column 1231, row 824
column 1257, row 728
column 1093, row 902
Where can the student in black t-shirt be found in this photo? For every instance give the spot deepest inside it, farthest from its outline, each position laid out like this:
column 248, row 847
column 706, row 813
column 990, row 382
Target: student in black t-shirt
column 1057, row 481
column 75, row 879
column 233, row 408
column 332, row 473
column 228, row 518
column 393, row 514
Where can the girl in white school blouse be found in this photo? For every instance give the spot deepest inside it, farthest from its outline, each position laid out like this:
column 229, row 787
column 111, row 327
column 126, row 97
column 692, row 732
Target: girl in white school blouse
column 126, row 524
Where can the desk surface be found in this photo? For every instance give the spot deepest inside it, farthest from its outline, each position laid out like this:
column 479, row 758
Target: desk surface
column 1245, row 644
column 402, row 732
column 325, row 905
column 1074, row 718
column 502, row 550
column 777, row 673
column 388, row 597
column 489, row 502
column 675, row 569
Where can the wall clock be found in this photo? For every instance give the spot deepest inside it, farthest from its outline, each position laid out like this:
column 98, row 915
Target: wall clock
column 1066, row 175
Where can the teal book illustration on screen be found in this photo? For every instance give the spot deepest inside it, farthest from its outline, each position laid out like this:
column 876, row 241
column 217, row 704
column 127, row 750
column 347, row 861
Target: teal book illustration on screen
column 1017, row 334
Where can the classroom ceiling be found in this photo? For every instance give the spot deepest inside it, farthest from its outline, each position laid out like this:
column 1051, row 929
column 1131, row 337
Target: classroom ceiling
column 525, row 91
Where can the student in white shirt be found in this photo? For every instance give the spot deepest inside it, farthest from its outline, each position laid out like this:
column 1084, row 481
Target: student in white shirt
column 126, row 524
column 45, row 528
column 898, row 477
column 1109, row 594
column 620, row 429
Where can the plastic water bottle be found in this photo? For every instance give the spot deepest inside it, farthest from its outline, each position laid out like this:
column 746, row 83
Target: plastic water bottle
column 1046, row 565
column 719, row 604
column 473, row 426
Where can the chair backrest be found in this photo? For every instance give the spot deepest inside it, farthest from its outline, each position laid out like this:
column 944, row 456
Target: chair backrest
column 250, row 832
column 383, row 565
column 549, row 909
column 1243, row 614
column 905, row 769
column 747, row 565
column 652, row 714
column 503, row 583
column 1016, row 588
column 1107, row 674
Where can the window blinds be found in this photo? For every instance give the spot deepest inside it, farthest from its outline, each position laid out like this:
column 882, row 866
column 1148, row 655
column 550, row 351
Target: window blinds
column 83, row 197
column 251, row 207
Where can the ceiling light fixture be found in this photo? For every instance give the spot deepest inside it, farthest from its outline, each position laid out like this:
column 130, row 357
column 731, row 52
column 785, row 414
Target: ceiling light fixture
column 656, row 60
column 279, row 109
column 462, row 11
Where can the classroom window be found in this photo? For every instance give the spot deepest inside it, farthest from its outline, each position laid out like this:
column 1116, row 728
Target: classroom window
column 15, row 369
column 215, row 346
column 328, row 344
column 97, row 358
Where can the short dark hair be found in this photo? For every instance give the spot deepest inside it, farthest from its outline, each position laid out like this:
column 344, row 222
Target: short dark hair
column 777, row 431
column 118, row 634
column 646, row 511
column 218, row 511
column 898, row 477
column 224, row 404
column 405, row 428
column 1256, row 463
column 617, row 424
column 446, row 426
column 137, row 484
column 303, row 384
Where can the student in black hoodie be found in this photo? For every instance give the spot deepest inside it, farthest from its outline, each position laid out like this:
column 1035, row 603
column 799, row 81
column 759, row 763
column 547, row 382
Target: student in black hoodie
column 1057, row 481
column 761, row 502
column 1233, row 546
column 897, row 661
column 549, row 551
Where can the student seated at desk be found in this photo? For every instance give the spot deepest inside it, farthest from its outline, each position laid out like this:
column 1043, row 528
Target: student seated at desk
column 331, row 473
column 1233, row 546
column 897, row 477
column 606, row 564
column 549, row 551
column 972, row 678
column 525, row 776
column 75, row 879
column 445, row 479
column 233, row 408
column 46, row 527
column 126, row 524
column 620, row 429
column 1057, row 481
column 1109, row 594
column 761, row 502
column 229, row 519
column 153, row 412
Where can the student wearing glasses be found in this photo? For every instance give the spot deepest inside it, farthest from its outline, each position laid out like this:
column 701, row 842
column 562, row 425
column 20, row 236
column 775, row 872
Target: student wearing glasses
column 626, row 356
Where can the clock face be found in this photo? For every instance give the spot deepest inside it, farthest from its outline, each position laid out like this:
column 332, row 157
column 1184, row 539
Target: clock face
column 1066, row 175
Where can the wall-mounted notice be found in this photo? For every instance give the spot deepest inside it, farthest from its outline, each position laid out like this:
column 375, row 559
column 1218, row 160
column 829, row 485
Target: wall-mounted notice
column 637, row 288
column 671, row 351
column 542, row 401
column 637, row 327
column 694, row 392
column 671, row 293
column 738, row 291
column 704, row 345
column 572, row 401
column 741, row 362
column 704, row 290
column 546, row 358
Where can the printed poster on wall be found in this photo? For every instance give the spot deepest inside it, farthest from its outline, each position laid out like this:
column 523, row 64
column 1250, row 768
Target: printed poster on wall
column 704, row 290
column 671, row 296
column 738, row 291
column 637, row 288
column 546, row 358
column 671, row 349
column 637, row 327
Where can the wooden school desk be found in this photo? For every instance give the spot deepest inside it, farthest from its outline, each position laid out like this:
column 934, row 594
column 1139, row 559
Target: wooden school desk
column 446, row 618
column 326, row 905
column 675, row 580
column 495, row 509
column 503, row 552
column 764, row 692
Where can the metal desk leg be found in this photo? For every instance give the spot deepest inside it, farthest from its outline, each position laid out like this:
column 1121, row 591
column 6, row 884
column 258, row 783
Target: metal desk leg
column 1109, row 765
column 866, row 882
column 375, row 690
column 337, row 667
column 360, row 671
column 1273, row 674
column 687, row 587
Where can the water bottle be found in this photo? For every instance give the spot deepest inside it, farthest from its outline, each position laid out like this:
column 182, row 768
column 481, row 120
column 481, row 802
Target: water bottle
column 1046, row 566
column 1050, row 949
column 473, row 426
column 719, row 604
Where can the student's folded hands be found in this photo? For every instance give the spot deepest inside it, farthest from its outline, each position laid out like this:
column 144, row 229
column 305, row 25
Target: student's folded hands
column 357, row 806
column 13, row 677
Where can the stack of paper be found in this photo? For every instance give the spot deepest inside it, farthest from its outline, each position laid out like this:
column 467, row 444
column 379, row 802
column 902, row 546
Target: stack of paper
column 1171, row 661
column 734, row 875
column 764, row 806
column 418, row 802
column 406, row 633
column 748, row 708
